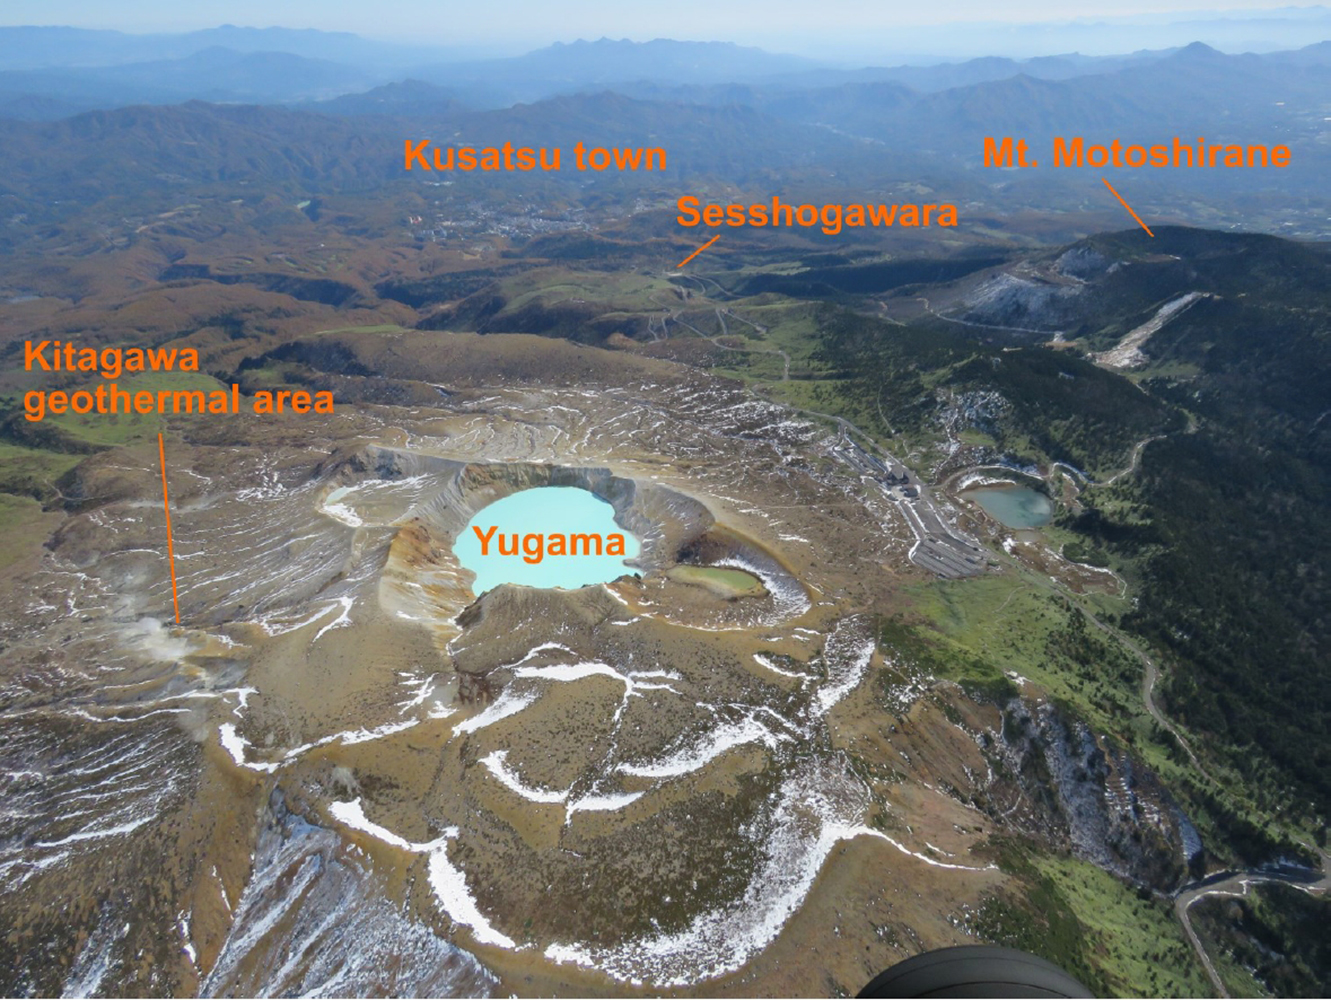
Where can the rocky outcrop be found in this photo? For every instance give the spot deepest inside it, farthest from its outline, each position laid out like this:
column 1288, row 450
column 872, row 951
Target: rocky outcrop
column 331, row 921
column 1083, row 262
column 1083, row 793
column 1021, row 303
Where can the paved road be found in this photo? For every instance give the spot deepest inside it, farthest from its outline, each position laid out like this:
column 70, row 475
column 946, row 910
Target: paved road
column 715, row 340
column 1048, row 334
column 1130, row 468
column 721, row 315
column 1151, row 674
column 945, row 551
column 1236, row 884
column 939, row 546
column 1220, row 883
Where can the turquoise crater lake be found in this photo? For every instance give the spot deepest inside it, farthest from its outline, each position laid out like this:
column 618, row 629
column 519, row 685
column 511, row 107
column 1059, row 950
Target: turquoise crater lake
column 1013, row 506
column 549, row 536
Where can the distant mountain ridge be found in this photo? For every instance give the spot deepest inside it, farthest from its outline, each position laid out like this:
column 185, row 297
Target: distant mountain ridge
column 52, row 72
column 135, row 151
column 42, row 47
column 856, row 138
column 858, row 135
column 613, row 61
column 411, row 98
column 213, row 74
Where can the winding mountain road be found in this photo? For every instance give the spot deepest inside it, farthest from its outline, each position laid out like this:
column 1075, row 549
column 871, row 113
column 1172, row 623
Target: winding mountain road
column 1230, row 883
column 1235, row 884
column 1134, row 461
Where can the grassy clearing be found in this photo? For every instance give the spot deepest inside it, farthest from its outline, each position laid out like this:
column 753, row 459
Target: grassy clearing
column 1005, row 621
column 105, row 430
column 21, row 528
column 612, row 291
column 756, row 333
column 974, row 437
column 1115, row 940
column 754, row 365
column 789, row 327
column 986, row 627
column 1137, row 943
column 32, row 472
column 1016, row 623
column 1039, row 918
column 807, row 394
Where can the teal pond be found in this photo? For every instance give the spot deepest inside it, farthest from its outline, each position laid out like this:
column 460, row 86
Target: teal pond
column 547, row 537
column 1013, row 506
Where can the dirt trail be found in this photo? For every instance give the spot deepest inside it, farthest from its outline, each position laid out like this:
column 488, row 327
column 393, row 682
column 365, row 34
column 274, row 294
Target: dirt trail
column 715, row 340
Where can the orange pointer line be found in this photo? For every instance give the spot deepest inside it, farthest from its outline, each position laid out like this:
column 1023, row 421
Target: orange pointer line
column 699, row 250
column 170, row 550
column 1129, row 208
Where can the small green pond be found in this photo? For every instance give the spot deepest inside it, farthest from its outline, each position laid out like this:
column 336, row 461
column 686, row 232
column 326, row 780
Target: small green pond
column 1013, row 506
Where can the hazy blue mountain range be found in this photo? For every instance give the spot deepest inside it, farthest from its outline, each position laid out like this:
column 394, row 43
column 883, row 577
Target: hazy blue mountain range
column 723, row 111
column 212, row 74
column 48, row 73
column 409, row 98
column 854, row 136
column 33, row 47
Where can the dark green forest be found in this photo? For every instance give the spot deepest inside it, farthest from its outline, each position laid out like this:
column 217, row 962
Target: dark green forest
column 1227, row 534
column 1063, row 405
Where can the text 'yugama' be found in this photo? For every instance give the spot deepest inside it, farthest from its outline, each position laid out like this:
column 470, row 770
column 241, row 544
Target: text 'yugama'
column 535, row 547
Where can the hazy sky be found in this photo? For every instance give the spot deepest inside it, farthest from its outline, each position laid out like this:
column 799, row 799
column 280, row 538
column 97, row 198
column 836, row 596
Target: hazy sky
column 445, row 20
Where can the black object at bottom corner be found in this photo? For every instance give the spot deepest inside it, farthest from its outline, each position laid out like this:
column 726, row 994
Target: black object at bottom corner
column 974, row 971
